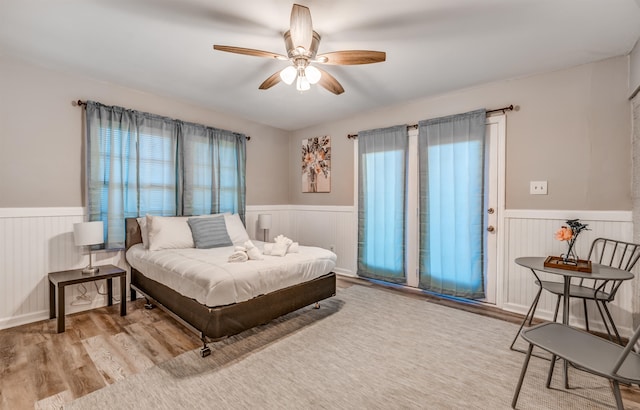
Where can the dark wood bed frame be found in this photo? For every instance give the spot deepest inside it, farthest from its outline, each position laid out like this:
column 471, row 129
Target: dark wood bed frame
column 215, row 323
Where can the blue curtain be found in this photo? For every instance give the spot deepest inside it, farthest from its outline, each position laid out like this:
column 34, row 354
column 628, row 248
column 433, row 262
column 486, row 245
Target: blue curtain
column 214, row 171
column 451, row 168
column 140, row 163
column 382, row 170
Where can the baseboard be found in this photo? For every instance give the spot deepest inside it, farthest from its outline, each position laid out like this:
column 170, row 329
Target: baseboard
column 14, row 321
column 345, row 272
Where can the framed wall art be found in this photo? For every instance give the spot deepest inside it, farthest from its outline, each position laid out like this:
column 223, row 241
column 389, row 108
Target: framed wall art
column 316, row 164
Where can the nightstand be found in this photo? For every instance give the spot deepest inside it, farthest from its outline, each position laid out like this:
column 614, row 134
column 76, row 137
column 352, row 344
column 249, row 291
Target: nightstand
column 65, row 278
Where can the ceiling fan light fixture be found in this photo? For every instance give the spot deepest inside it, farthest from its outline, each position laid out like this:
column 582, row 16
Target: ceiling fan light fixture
column 312, row 74
column 288, row 75
column 301, row 43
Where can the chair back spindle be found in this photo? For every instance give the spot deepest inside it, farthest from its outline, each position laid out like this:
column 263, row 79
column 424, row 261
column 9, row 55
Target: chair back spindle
column 614, row 253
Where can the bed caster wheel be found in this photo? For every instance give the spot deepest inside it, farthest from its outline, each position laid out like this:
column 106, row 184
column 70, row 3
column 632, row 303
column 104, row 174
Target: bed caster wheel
column 317, row 305
column 205, row 351
column 148, row 305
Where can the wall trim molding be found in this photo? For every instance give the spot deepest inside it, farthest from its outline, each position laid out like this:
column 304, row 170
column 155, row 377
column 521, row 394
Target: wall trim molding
column 621, row 216
column 322, row 208
column 345, row 272
column 36, row 212
column 13, row 321
column 301, row 208
column 78, row 210
column 255, row 208
column 614, row 216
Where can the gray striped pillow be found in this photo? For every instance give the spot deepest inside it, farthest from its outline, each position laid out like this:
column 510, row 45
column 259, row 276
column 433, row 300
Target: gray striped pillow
column 209, row 232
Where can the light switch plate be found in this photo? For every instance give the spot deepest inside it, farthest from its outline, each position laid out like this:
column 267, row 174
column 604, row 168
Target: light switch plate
column 538, row 187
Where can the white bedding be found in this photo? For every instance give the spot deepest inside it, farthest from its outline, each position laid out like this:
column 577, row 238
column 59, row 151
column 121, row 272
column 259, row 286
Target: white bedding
column 206, row 275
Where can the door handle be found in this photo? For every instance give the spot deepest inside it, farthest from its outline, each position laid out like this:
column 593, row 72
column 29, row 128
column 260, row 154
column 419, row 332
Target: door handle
column 491, row 228
column 490, row 211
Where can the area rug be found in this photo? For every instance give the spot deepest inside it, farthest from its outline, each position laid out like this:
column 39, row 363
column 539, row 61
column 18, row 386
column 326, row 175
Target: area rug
column 364, row 348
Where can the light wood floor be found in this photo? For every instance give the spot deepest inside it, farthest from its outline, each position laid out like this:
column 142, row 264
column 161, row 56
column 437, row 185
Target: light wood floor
column 42, row 369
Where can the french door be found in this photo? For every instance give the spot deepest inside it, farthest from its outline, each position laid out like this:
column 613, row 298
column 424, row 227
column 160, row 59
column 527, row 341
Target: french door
column 493, row 206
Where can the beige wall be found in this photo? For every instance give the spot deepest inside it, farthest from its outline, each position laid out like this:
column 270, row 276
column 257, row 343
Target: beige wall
column 573, row 130
column 634, row 69
column 41, row 137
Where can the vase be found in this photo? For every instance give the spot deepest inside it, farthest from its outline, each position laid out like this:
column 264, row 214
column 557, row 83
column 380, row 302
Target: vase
column 570, row 258
column 313, row 182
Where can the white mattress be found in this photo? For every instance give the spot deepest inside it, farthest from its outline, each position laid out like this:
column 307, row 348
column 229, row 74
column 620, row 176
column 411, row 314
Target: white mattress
column 206, row 276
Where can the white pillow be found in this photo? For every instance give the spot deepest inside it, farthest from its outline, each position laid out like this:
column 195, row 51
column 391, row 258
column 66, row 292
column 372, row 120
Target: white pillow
column 144, row 232
column 169, row 232
column 235, row 229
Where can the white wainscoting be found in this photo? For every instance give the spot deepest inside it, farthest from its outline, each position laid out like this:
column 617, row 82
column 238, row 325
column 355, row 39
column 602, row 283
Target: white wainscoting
column 34, row 242
column 525, row 232
column 323, row 226
column 531, row 233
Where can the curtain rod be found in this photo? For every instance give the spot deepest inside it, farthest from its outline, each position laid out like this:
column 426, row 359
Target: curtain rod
column 415, row 126
column 81, row 103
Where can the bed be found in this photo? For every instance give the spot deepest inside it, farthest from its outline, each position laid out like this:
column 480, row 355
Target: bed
column 216, row 321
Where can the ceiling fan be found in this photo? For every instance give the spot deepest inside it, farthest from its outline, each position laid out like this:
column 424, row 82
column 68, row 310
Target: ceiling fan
column 302, row 47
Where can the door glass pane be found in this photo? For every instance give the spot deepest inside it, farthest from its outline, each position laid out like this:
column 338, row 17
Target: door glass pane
column 381, row 204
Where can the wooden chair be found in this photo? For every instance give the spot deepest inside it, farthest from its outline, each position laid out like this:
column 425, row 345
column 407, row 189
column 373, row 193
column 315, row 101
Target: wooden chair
column 611, row 252
column 586, row 352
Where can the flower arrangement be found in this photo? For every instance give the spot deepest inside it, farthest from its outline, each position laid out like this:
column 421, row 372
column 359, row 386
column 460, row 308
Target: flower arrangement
column 316, row 160
column 570, row 233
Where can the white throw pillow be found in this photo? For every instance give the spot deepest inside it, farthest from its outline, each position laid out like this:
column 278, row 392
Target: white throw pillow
column 169, row 232
column 144, row 231
column 235, row 229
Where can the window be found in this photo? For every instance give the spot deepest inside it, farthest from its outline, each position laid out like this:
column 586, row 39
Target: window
column 157, row 174
column 139, row 163
column 204, row 177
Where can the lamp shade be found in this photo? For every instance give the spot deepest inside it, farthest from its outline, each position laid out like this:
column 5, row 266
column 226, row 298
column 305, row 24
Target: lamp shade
column 288, row 75
column 312, row 74
column 264, row 221
column 88, row 233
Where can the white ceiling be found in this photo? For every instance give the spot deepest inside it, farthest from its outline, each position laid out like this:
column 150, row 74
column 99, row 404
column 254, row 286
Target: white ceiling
column 433, row 46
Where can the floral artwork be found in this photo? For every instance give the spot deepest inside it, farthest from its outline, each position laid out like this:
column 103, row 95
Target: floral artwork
column 316, row 164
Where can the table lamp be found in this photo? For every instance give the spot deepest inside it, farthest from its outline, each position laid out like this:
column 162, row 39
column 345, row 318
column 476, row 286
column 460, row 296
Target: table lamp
column 264, row 223
column 89, row 233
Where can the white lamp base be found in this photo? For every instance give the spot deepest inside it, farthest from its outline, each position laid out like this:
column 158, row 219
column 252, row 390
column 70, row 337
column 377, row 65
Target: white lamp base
column 90, row 270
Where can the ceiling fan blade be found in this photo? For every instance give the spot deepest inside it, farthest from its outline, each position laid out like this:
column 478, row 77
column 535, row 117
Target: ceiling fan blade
column 271, row 81
column 249, row 52
column 301, row 27
column 352, row 57
column 330, row 83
